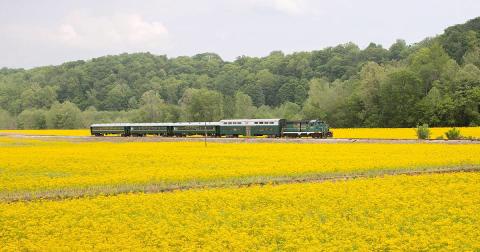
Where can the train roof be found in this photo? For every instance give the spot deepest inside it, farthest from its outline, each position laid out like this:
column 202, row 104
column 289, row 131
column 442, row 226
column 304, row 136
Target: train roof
column 155, row 124
column 222, row 122
column 195, row 124
column 250, row 120
column 110, row 124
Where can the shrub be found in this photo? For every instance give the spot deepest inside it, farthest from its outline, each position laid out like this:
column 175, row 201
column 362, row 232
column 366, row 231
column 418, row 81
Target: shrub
column 453, row 134
column 64, row 116
column 423, row 132
column 32, row 119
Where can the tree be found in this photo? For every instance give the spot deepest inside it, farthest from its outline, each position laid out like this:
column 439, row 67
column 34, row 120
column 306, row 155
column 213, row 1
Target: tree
column 398, row 50
column 64, row 116
column 472, row 57
column 399, row 96
column 118, row 97
column 375, row 53
column 152, row 108
column 202, row 105
column 289, row 111
column 371, row 78
column 467, row 96
column 32, row 119
column 437, row 109
column 429, row 64
column 316, row 105
column 6, row 120
column 243, row 106
column 38, row 97
column 268, row 83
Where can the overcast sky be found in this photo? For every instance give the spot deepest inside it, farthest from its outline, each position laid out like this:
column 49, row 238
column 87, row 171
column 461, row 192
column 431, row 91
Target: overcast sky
column 36, row 33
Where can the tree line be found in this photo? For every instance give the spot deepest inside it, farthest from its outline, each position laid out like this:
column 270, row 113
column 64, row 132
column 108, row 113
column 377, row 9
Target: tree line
column 435, row 81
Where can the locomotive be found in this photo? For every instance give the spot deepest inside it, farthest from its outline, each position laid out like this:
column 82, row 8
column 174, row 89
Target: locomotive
column 223, row 128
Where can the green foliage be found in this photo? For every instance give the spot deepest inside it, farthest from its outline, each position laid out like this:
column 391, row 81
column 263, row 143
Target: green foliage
column 6, row 120
column 423, row 132
column 152, row 108
column 202, row 105
column 32, row 119
column 453, row 134
column 399, row 95
column 243, row 106
column 435, row 81
column 289, row 111
column 64, row 116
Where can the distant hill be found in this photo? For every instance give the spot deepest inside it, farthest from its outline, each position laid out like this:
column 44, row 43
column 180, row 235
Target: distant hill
column 435, row 81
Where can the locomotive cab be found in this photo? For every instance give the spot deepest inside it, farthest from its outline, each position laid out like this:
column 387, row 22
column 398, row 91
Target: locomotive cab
column 320, row 128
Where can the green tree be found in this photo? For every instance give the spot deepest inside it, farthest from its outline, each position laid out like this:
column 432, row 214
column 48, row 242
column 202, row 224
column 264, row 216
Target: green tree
column 429, row 64
column 202, row 105
column 64, row 116
column 6, row 120
column 243, row 106
column 371, row 78
column 437, row 109
column 118, row 97
column 268, row 83
column 399, row 96
column 317, row 104
column 472, row 57
column 38, row 97
column 32, row 119
column 289, row 111
column 152, row 108
column 398, row 50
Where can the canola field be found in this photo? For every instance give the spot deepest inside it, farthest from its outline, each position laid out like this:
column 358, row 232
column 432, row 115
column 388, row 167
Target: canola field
column 73, row 132
column 182, row 196
column 399, row 133
column 362, row 133
column 39, row 166
column 394, row 213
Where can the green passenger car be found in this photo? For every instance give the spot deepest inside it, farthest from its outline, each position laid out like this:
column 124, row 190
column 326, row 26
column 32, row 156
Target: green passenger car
column 143, row 129
column 110, row 129
column 251, row 127
column 195, row 128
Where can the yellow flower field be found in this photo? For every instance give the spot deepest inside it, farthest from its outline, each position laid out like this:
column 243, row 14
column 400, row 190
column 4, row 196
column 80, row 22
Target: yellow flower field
column 40, row 166
column 378, row 133
column 399, row 133
column 393, row 213
column 52, row 132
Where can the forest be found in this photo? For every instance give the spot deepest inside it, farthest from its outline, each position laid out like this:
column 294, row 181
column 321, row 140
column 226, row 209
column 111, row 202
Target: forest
column 435, row 81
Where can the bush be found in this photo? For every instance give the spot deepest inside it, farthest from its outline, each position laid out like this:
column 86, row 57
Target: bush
column 64, row 116
column 423, row 132
column 6, row 120
column 453, row 134
column 32, row 119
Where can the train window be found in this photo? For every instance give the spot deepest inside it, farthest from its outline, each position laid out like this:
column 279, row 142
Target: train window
column 256, row 122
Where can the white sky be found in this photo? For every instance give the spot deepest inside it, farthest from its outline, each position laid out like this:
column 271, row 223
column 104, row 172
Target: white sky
column 47, row 32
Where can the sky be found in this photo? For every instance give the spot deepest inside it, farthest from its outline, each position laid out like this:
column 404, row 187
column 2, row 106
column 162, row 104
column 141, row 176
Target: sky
column 37, row 33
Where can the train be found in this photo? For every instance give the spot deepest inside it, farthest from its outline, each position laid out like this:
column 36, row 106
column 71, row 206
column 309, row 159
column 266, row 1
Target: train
column 274, row 128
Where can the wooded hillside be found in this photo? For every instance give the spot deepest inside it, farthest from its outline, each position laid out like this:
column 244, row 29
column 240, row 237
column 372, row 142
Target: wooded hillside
column 435, row 81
